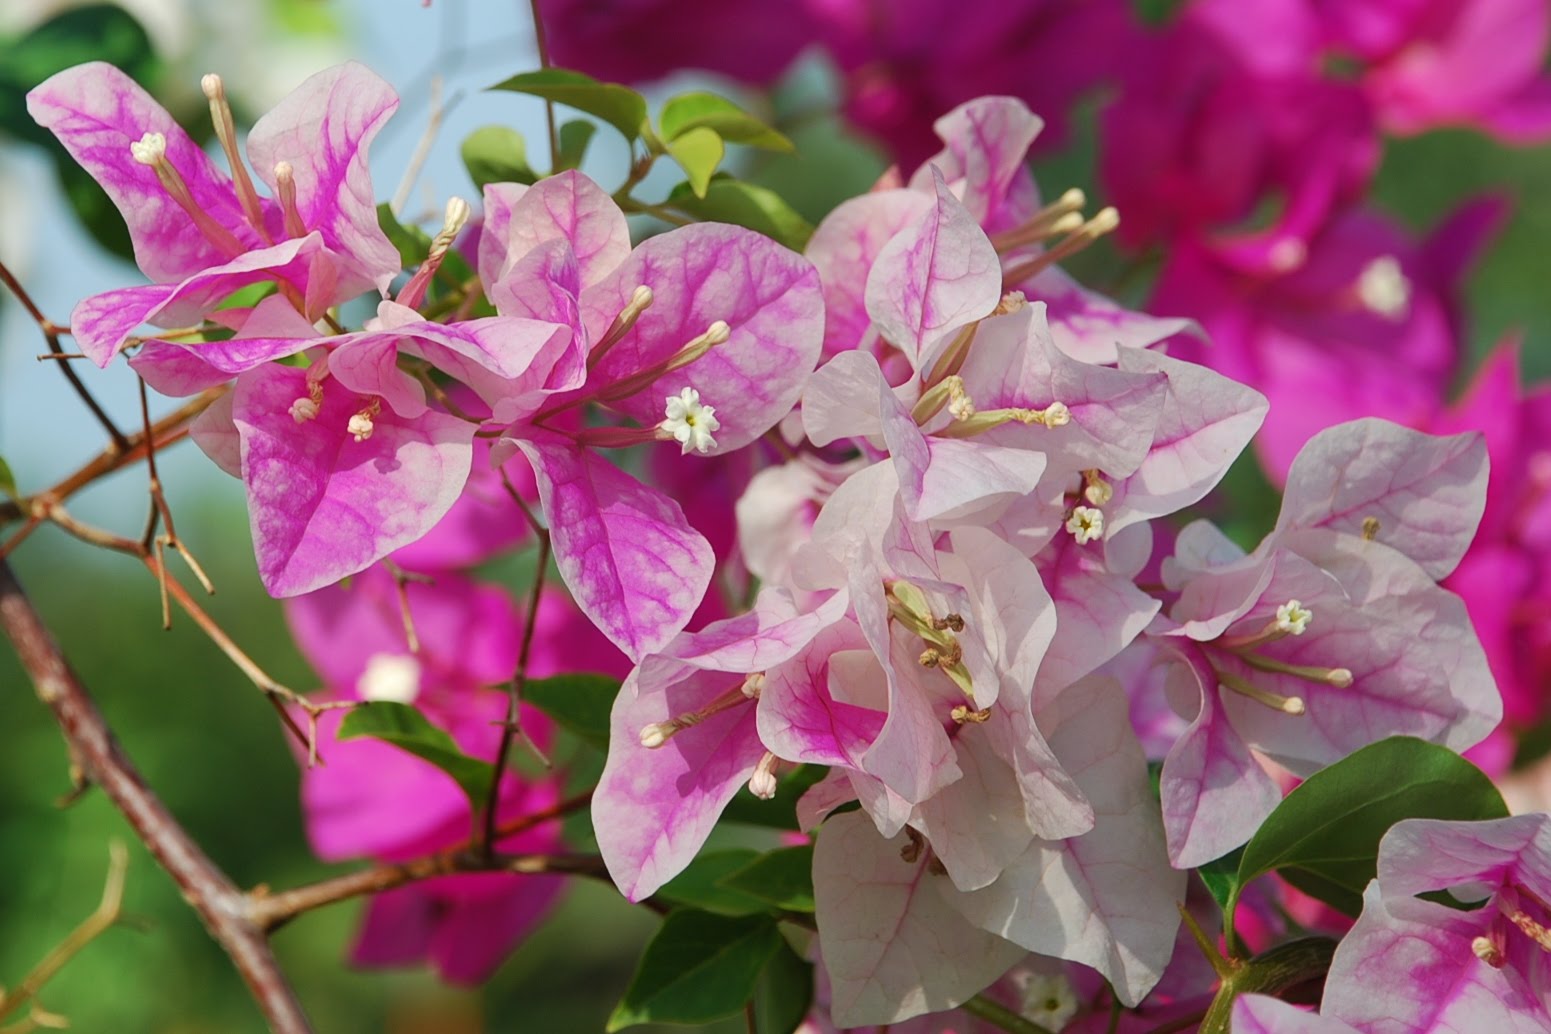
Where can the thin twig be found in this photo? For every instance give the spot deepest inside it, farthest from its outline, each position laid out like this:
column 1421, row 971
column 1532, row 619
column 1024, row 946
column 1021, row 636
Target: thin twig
column 166, row 431
column 51, row 332
column 105, row 915
column 509, row 727
column 417, row 162
column 268, row 911
column 212, row 894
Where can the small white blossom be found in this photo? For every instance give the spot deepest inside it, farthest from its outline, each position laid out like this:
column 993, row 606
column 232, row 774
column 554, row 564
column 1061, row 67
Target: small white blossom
column 149, row 149
column 691, row 423
column 393, row 677
column 1384, row 288
column 303, row 410
column 1047, row 999
column 360, row 426
column 1086, row 524
column 762, row 783
column 1293, row 618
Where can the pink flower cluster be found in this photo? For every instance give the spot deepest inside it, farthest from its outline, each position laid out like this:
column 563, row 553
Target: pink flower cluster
column 952, row 473
column 1238, row 139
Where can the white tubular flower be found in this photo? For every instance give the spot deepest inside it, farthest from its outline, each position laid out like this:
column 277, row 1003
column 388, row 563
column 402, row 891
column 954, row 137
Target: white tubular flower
column 1086, row 524
column 304, row 409
column 1384, row 288
column 149, row 149
column 1293, row 618
column 1047, row 999
column 393, row 677
column 691, row 423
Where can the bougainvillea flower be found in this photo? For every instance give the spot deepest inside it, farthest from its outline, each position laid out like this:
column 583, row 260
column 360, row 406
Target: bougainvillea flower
column 1208, row 125
column 923, row 237
column 1422, row 966
column 752, row 42
column 346, row 461
column 682, row 739
column 1325, row 640
column 374, row 800
column 1503, row 576
column 884, row 904
column 1366, row 323
column 720, row 323
column 1262, row 1014
column 908, row 63
column 200, row 234
column 1433, row 63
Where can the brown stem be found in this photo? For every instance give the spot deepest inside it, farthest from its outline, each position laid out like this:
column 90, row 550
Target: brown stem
column 165, row 431
column 510, row 727
column 268, row 911
column 93, row 746
column 51, row 332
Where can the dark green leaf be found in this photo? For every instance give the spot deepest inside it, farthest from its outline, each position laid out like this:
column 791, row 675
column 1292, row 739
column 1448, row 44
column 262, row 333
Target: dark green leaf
column 784, row 993
column 1326, row 832
column 698, row 152
column 8, row 480
column 780, row 812
column 1221, row 877
column 699, row 110
column 406, row 728
column 783, row 877
column 699, row 886
column 574, row 138
column 743, row 204
column 579, row 702
column 619, row 106
column 700, row 967
column 496, row 154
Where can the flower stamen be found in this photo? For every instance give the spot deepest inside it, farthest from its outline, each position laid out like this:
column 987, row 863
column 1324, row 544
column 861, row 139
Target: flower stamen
column 151, row 151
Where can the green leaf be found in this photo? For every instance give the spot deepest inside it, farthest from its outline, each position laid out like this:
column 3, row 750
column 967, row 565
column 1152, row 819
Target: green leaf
column 619, row 106
column 744, row 204
column 1324, row 837
column 406, row 728
column 8, row 480
column 698, row 152
column 574, row 138
column 1221, row 877
column 699, row 885
column 496, row 154
column 783, row 877
column 780, row 811
column 784, row 993
column 579, row 702
column 699, row 110
column 699, row 968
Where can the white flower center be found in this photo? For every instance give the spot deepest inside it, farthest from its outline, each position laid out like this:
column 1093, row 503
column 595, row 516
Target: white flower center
column 360, row 426
column 303, row 410
column 1384, row 288
column 393, row 677
column 1086, row 524
column 691, row 423
column 1047, row 999
column 149, row 149
column 1293, row 618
